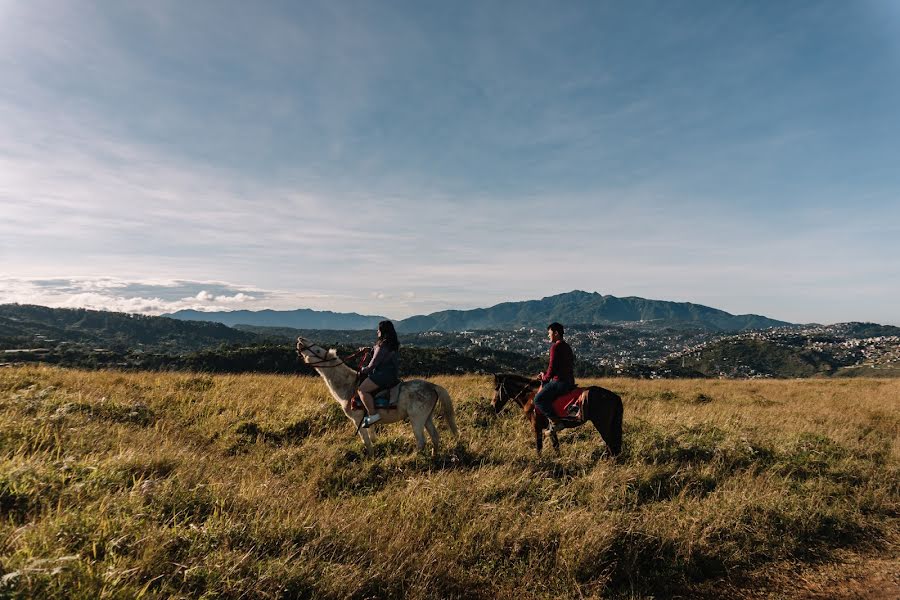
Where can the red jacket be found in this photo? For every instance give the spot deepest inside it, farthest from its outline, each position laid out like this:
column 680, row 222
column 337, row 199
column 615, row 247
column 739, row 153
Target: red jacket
column 562, row 363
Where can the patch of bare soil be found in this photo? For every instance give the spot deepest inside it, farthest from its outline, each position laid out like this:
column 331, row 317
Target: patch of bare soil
column 857, row 578
column 850, row 575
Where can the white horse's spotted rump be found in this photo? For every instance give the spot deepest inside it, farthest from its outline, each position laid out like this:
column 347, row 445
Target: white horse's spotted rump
column 417, row 400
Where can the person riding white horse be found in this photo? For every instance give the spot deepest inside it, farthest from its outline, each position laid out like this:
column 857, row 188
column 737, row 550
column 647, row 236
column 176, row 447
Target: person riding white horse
column 416, row 399
column 382, row 372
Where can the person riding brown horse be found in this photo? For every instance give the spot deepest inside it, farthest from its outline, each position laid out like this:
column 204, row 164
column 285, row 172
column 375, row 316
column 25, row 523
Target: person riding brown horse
column 560, row 375
column 600, row 406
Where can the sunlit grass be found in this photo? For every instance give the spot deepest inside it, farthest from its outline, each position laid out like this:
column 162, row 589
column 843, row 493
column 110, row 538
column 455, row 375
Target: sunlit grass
column 179, row 485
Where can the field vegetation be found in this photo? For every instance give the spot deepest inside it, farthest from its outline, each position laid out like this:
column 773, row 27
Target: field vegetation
column 168, row 485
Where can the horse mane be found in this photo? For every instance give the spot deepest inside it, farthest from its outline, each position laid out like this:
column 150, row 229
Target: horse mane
column 515, row 379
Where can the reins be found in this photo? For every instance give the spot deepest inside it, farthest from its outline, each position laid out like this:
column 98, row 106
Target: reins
column 340, row 361
column 515, row 398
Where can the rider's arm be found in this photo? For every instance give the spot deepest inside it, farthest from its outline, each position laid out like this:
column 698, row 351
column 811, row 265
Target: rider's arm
column 381, row 353
column 551, row 368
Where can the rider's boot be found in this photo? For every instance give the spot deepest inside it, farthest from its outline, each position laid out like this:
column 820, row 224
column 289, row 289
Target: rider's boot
column 370, row 420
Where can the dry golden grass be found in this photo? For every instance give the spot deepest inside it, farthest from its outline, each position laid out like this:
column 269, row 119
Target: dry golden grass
column 120, row 485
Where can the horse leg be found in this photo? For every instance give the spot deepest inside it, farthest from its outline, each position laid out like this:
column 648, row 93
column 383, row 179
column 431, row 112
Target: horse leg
column 364, row 434
column 615, row 433
column 554, row 439
column 538, row 436
column 418, row 426
column 602, row 426
column 600, row 416
column 435, row 437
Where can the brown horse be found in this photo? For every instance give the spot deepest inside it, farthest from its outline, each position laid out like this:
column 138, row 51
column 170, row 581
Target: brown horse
column 600, row 406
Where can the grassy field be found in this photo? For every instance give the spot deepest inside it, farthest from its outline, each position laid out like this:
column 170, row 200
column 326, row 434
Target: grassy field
column 121, row 485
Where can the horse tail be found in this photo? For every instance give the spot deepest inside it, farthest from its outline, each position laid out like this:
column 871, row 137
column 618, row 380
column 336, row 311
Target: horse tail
column 605, row 411
column 443, row 396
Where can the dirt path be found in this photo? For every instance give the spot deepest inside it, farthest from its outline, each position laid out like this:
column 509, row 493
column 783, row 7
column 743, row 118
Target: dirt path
column 851, row 575
column 854, row 578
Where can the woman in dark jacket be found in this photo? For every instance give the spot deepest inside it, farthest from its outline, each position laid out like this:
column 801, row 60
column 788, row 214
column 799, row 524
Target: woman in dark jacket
column 382, row 371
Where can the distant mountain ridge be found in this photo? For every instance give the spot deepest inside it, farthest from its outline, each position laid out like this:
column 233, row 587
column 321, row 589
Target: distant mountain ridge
column 571, row 308
column 586, row 308
column 302, row 318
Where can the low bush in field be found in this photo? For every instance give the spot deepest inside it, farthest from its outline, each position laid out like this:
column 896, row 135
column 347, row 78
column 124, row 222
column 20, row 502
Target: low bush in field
column 175, row 485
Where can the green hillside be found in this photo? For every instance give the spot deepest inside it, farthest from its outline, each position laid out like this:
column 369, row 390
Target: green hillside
column 741, row 357
column 29, row 326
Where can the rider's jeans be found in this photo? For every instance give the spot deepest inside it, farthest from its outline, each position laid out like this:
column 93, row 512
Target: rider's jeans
column 550, row 392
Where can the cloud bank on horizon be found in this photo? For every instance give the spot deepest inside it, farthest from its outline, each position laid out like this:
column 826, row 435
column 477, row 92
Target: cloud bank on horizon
column 401, row 159
column 147, row 297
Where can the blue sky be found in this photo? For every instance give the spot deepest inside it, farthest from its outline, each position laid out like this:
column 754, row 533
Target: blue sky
column 398, row 158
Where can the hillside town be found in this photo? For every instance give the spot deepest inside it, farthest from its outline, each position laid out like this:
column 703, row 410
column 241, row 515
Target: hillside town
column 643, row 350
column 607, row 345
column 839, row 346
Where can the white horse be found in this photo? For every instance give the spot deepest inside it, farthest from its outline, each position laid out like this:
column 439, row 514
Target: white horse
column 417, row 398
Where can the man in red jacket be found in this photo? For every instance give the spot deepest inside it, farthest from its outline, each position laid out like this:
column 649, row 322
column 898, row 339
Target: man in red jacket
column 560, row 375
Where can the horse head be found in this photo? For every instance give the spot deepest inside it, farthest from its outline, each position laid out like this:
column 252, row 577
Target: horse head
column 510, row 386
column 315, row 355
column 501, row 395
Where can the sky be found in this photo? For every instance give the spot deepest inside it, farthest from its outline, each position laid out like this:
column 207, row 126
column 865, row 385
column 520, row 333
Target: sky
column 400, row 158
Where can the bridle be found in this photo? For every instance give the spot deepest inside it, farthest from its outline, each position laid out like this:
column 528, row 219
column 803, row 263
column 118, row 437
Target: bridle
column 320, row 365
column 502, row 390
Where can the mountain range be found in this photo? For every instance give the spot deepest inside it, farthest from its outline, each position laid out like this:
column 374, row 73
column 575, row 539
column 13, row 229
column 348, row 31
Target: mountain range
column 98, row 339
column 571, row 308
column 302, row 318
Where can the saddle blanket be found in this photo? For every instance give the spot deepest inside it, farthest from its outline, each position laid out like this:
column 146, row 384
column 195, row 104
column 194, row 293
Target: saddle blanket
column 383, row 398
column 568, row 406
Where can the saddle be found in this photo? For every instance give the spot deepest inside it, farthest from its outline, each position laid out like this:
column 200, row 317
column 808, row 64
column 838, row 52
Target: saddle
column 569, row 405
column 383, row 397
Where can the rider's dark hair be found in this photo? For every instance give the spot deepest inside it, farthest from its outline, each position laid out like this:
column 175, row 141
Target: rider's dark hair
column 555, row 327
column 387, row 335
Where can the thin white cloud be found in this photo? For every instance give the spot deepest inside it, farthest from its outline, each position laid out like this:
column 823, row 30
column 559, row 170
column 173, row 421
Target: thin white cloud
column 148, row 297
column 239, row 298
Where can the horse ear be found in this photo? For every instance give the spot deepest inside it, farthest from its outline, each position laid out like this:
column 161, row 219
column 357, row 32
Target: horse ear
column 331, row 353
